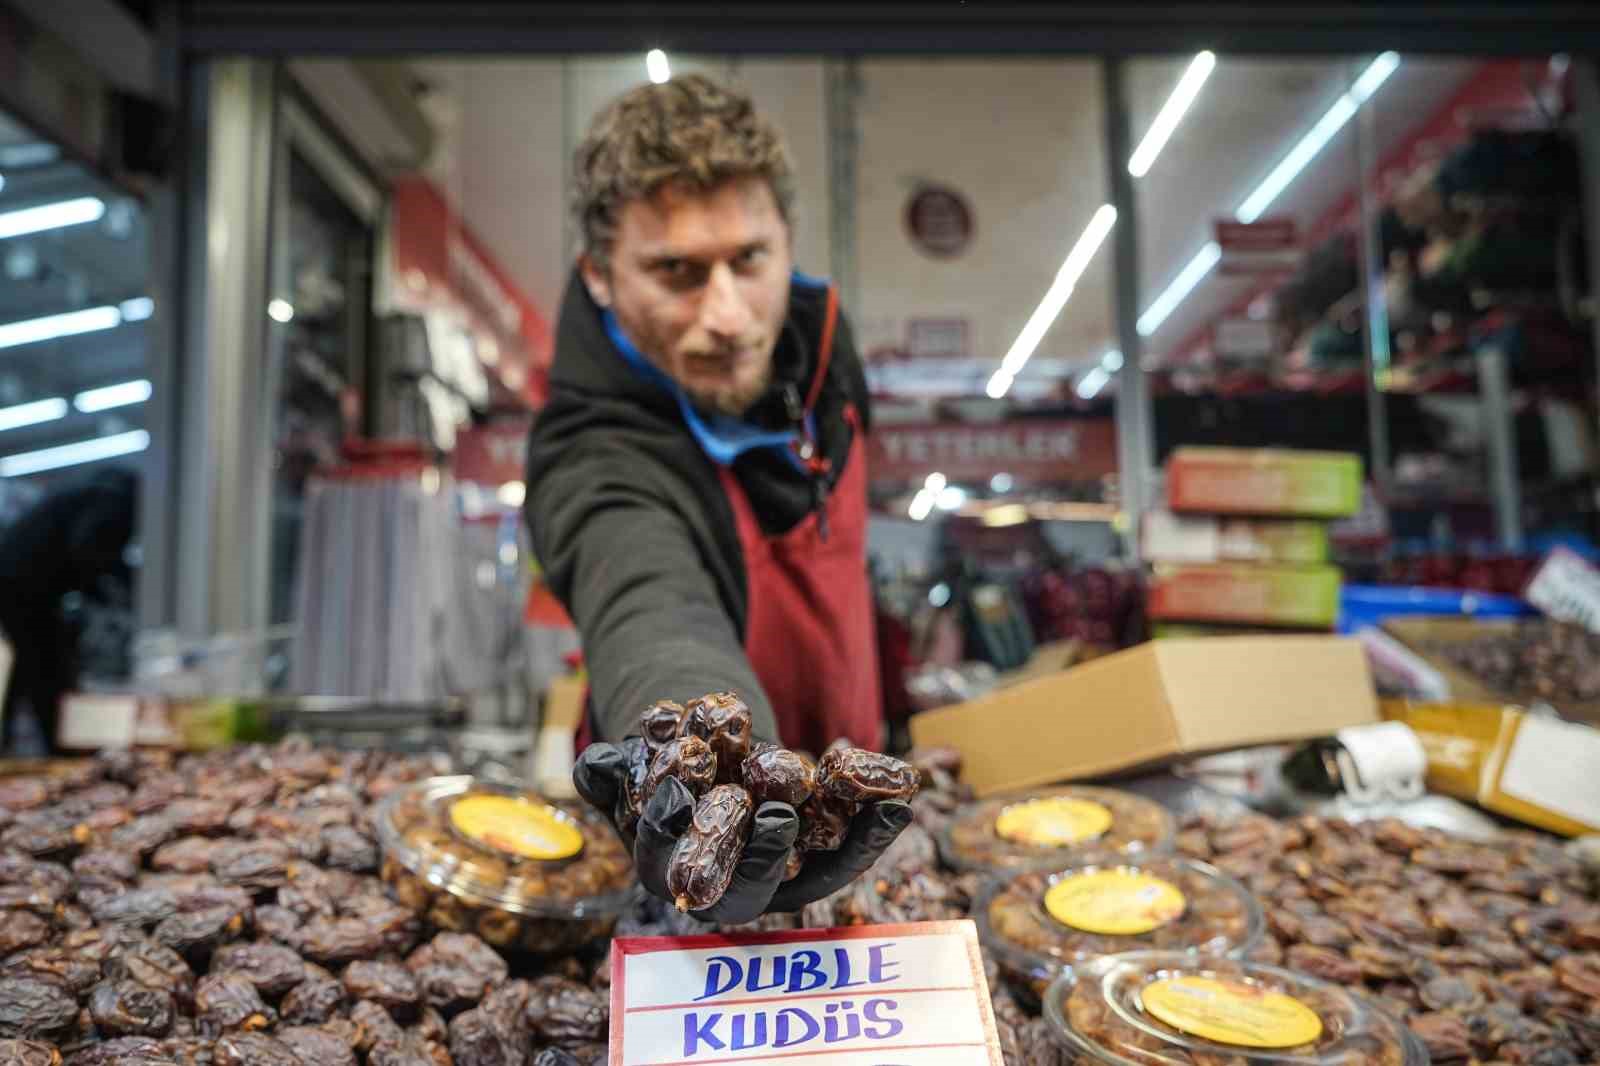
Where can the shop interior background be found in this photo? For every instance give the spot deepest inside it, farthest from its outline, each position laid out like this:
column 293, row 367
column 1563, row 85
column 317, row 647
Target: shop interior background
column 403, row 240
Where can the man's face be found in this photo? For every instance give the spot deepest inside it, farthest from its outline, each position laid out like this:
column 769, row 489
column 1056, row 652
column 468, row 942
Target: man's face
column 699, row 281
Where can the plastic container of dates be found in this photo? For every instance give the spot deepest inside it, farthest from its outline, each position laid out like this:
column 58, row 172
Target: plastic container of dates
column 1160, row 1008
column 1036, row 925
column 523, row 872
column 1052, row 828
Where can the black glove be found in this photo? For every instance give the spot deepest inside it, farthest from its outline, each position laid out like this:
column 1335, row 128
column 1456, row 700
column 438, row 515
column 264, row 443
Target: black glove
column 757, row 886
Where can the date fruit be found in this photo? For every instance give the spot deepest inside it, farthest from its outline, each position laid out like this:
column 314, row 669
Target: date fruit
column 779, row 775
column 661, row 723
column 723, row 721
column 704, row 859
column 689, row 759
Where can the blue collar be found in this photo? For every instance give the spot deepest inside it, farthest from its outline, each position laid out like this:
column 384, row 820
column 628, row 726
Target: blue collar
column 723, row 439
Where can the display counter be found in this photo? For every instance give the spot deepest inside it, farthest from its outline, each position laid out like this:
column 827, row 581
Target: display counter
column 227, row 907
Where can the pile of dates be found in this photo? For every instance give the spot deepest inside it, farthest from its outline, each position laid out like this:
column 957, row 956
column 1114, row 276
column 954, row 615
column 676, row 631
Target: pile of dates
column 1489, row 952
column 1539, row 659
column 707, row 746
column 223, row 910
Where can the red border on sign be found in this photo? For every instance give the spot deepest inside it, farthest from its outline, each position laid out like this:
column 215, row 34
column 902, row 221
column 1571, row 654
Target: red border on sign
column 622, row 947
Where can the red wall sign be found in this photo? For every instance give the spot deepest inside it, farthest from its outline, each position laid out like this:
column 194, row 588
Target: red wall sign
column 1041, row 450
column 1265, row 246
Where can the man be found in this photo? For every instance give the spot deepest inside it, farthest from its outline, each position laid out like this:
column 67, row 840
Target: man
column 696, row 483
column 71, row 540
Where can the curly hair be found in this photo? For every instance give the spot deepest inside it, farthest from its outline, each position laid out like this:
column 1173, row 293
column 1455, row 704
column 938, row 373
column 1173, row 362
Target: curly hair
column 690, row 131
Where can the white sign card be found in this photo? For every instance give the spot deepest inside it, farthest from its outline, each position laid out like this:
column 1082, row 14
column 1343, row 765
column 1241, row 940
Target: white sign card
column 870, row 995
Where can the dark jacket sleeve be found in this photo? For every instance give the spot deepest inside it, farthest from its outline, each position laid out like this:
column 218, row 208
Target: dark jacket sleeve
column 624, row 561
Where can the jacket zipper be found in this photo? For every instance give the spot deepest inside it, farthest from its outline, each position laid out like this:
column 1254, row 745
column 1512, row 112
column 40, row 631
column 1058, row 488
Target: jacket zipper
column 816, row 466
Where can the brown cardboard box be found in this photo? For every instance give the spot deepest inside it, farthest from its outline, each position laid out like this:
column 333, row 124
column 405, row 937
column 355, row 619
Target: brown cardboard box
column 1538, row 770
column 1152, row 703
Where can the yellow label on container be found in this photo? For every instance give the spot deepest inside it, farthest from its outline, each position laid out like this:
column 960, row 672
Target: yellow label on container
column 1231, row 1012
column 516, row 826
column 1114, row 902
column 1053, row 822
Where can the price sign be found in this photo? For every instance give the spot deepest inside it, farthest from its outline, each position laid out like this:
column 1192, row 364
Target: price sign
column 862, row 996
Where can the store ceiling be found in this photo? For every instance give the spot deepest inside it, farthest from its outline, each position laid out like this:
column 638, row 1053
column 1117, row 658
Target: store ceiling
column 505, row 127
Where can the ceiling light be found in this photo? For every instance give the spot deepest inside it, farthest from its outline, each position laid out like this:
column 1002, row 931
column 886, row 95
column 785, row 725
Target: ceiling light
column 951, row 498
column 28, row 154
column 1171, row 113
column 921, row 504
column 1001, row 483
column 655, row 65
column 137, row 309
column 1306, row 149
column 109, row 396
column 31, row 414
column 1112, row 360
column 1376, row 74
column 1260, row 198
column 87, row 451
column 935, row 482
column 998, row 384
column 51, row 216
column 50, row 327
column 1091, row 384
column 1181, row 286
column 1055, row 298
column 280, row 310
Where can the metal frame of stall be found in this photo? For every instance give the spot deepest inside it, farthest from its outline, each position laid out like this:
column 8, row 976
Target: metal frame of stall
column 211, row 225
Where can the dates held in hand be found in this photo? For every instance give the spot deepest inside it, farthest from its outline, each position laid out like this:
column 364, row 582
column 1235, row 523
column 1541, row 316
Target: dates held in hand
column 715, row 746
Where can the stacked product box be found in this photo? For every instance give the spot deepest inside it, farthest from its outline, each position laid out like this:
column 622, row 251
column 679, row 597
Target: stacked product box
column 1243, row 543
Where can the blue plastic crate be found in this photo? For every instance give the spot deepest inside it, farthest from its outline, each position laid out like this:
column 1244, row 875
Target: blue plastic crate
column 1368, row 605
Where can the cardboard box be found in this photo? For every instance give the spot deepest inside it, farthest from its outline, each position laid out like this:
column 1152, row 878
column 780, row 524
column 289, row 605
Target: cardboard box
column 1305, row 596
column 1152, row 703
column 1173, row 538
column 1264, row 481
column 1536, row 769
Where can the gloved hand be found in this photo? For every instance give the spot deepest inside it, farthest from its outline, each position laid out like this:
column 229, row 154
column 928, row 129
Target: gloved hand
column 757, row 886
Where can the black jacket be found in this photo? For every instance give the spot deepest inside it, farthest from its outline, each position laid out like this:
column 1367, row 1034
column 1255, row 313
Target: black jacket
column 630, row 521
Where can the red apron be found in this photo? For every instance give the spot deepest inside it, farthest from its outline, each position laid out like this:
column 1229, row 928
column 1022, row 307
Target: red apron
column 809, row 631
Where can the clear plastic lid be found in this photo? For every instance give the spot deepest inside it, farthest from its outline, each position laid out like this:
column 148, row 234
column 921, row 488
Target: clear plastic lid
column 1037, row 924
column 1051, row 828
column 504, row 846
column 1160, row 1008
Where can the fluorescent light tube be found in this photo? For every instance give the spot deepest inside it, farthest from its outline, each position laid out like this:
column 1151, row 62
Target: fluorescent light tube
column 31, row 414
column 1092, row 383
column 1171, row 113
column 137, row 309
column 86, row 451
column 1055, row 298
column 51, row 216
column 1179, row 287
column 109, row 396
column 1272, row 186
column 50, row 327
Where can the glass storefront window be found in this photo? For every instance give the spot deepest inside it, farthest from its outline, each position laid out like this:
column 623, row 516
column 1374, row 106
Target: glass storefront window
column 74, row 388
